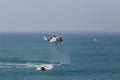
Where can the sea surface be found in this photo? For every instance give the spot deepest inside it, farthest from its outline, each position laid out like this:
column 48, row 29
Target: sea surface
column 81, row 56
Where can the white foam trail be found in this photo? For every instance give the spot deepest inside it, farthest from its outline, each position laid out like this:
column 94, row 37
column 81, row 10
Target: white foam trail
column 28, row 65
column 24, row 65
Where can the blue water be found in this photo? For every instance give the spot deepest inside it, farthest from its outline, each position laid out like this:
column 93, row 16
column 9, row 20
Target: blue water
column 82, row 56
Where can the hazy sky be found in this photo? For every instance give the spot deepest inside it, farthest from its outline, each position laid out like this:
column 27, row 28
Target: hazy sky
column 60, row 15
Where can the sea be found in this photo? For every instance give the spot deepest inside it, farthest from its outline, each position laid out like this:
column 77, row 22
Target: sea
column 80, row 56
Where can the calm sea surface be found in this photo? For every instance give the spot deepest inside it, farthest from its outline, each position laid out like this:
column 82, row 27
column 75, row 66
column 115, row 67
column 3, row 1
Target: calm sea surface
column 81, row 56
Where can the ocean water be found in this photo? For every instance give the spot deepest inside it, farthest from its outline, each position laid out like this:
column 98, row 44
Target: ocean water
column 81, row 56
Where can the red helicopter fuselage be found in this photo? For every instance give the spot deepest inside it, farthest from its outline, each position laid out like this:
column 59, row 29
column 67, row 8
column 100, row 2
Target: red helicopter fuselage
column 53, row 39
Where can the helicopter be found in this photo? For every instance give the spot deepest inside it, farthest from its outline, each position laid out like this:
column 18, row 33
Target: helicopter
column 54, row 39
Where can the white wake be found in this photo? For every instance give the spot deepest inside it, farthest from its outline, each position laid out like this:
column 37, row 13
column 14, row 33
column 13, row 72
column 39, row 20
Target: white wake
column 28, row 65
